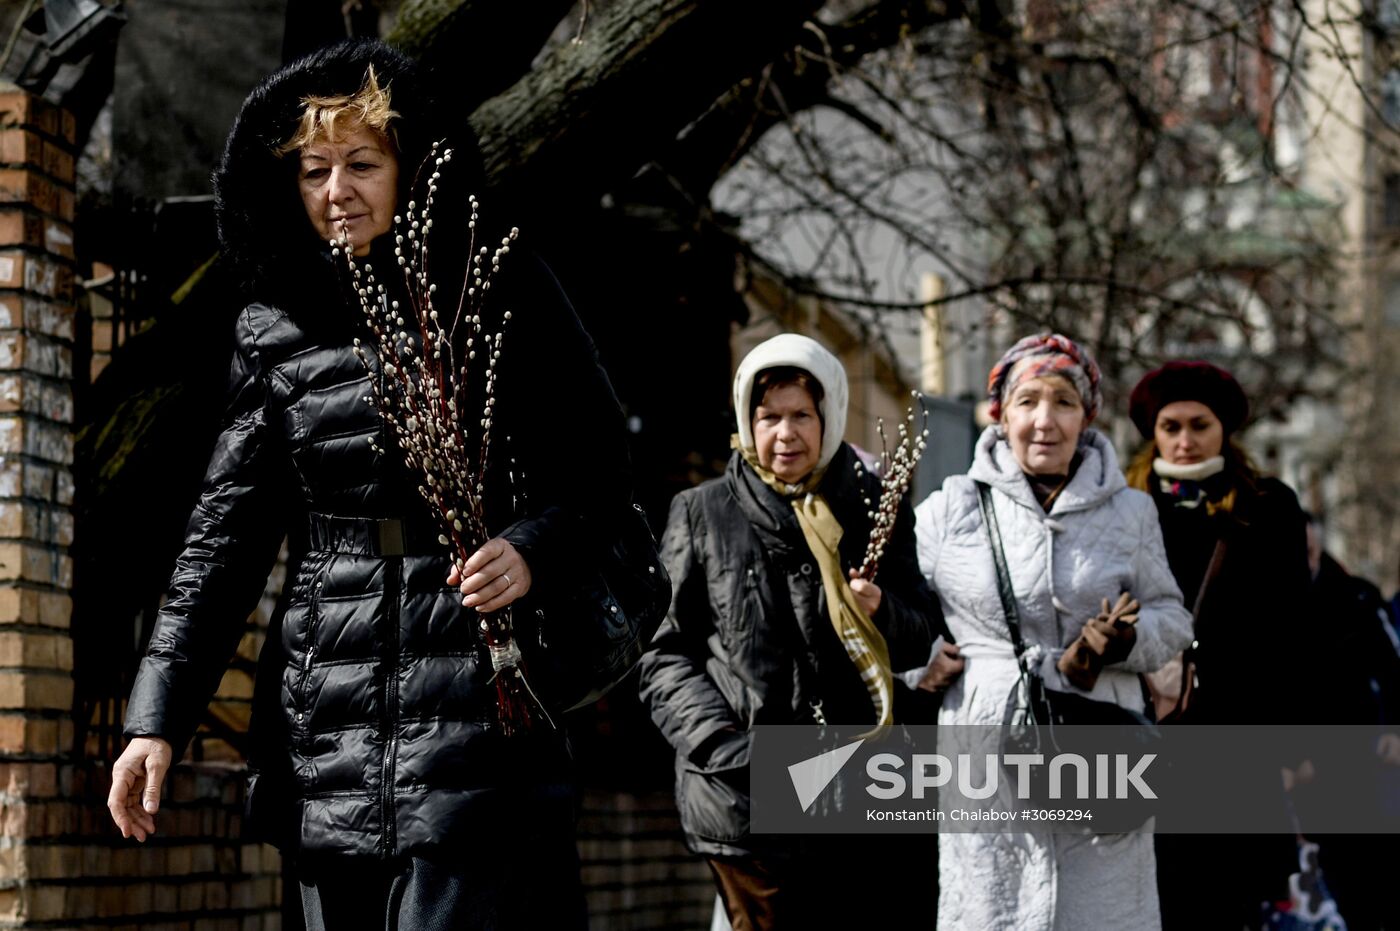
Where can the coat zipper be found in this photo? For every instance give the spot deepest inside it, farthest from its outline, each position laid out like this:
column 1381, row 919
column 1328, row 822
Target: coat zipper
column 393, row 567
column 315, row 615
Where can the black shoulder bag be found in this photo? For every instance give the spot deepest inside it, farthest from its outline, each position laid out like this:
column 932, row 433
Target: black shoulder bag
column 592, row 631
column 1033, row 711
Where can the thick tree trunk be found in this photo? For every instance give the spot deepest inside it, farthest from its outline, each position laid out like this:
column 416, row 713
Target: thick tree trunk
column 594, row 112
column 478, row 48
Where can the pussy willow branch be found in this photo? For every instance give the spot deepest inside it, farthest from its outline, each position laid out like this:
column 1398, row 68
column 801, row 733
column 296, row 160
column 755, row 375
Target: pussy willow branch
column 421, row 393
column 896, row 472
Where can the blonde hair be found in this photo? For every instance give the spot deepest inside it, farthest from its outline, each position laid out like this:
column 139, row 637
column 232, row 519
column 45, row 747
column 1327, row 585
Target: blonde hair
column 330, row 117
column 1243, row 472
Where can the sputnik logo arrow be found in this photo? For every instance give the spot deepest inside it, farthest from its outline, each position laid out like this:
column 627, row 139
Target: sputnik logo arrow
column 812, row 776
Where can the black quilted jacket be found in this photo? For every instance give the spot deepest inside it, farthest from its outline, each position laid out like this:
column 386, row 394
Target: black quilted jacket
column 748, row 639
column 374, row 712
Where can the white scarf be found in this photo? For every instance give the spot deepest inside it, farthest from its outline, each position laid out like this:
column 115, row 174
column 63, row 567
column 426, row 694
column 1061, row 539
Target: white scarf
column 1189, row 471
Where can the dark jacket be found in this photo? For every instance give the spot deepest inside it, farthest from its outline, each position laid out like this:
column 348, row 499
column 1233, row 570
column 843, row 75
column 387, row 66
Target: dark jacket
column 748, row 639
column 1251, row 626
column 1356, row 672
column 1360, row 681
column 374, row 711
column 1251, row 656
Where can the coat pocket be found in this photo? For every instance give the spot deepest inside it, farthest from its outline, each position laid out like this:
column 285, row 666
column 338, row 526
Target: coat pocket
column 748, row 602
column 714, row 801
column 745, row 614
column 313, row 616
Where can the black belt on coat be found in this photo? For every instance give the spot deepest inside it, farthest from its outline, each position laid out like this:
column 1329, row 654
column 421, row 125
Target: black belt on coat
column 368, row 536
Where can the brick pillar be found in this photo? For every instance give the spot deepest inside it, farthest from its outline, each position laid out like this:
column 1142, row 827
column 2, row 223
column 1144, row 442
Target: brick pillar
column 62, row 863
column 36, row 489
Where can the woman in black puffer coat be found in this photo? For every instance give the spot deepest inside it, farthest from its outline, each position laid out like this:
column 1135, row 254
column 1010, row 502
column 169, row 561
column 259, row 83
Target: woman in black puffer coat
column 378, row 760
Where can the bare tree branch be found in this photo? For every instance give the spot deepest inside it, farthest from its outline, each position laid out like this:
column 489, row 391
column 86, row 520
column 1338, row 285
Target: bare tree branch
column 644, row 68
column 714, row 142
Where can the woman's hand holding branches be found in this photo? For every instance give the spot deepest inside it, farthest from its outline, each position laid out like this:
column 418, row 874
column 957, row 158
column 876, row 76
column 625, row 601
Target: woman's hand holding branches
column 495, row 576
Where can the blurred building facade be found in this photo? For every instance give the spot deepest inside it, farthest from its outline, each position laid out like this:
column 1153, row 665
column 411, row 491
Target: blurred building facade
column 1321, row 115
column 1355, row 157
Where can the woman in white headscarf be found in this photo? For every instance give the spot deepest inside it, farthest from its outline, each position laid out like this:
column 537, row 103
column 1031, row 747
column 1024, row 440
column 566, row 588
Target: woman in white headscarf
column 768, row 626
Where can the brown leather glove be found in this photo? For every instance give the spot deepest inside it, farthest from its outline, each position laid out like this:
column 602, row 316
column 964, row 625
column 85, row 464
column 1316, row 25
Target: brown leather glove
column 1107, row 638
column 943, row 670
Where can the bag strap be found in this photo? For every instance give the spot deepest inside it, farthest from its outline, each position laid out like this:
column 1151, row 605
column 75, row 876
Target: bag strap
column 1217, row 557
column 1188, row 669
column 1004, row 589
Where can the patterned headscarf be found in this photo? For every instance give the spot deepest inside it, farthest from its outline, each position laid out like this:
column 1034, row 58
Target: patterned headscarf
column 1040, row 355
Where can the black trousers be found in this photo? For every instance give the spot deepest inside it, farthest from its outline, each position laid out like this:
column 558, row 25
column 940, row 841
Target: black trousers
column 1359, row 871
column 850, row 881
column 1221, row 881
column 502, row 887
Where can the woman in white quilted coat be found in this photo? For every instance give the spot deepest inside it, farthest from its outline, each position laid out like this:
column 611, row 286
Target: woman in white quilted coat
column 1074, row 535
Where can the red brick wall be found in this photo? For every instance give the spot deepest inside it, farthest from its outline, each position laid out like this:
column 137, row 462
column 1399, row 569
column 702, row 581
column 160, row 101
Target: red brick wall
column 36, row 413
column 62, row 864
column 36, row 656
column 636, row 871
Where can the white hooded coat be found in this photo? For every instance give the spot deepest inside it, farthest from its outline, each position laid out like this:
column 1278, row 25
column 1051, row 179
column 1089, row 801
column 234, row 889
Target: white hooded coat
column 1100, row 538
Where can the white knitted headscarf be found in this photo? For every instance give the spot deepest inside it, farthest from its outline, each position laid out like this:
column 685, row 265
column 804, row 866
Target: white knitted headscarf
column 807, row 354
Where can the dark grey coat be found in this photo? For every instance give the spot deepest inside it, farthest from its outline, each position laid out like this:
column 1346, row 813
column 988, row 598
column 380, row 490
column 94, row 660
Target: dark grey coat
column 748, row 610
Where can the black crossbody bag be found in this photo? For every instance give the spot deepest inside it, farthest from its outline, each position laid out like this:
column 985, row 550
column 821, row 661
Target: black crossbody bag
column 1034, row 711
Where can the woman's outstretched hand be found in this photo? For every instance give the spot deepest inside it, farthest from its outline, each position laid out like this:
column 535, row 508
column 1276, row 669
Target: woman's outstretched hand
column 495, row 576
column 136, row 780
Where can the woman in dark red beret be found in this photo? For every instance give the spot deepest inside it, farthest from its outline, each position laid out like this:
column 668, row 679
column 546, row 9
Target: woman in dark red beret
column 1237, row 544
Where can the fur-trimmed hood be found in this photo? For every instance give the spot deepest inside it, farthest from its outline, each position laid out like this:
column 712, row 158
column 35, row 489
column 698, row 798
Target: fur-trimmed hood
column 271, row 247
